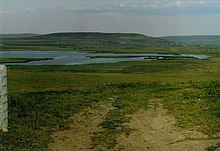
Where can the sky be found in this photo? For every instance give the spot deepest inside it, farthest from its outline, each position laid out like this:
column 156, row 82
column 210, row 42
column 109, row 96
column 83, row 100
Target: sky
column 149, row 17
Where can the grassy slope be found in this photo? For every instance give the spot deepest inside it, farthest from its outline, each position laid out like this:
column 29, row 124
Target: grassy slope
column 83, row 41
column 25, row 35
column 43, row 103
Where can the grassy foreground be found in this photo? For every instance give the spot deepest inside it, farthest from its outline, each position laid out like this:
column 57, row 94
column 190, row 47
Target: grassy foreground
column 42, row 98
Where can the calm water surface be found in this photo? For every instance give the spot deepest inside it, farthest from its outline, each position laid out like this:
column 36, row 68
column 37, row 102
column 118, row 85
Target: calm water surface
column 75, row 57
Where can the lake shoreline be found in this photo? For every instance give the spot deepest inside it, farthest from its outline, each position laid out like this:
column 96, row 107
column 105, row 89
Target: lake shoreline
column 78, row 58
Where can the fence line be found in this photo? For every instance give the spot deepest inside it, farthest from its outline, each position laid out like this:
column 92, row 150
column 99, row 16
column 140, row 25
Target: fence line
column 3, row 99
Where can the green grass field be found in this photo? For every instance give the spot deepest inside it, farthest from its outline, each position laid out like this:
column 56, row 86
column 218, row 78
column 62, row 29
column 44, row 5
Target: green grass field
column 42, row 98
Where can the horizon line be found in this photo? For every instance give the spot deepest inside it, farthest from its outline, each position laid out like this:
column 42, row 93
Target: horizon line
column 178, row 35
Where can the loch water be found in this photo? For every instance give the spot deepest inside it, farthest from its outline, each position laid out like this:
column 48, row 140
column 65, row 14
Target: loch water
column 77, row 57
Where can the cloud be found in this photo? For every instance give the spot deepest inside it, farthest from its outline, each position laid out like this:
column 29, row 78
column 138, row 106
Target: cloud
column 144, row 7
column 6, row 12
column 28, row 10
column 153, row 17
column 16, row 11
column 114, row 7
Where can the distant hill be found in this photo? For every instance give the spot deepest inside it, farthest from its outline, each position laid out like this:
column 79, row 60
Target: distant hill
column 99, row 35
column 25, row 35
column 82, row 40
column 96, row 39
column 193, row 38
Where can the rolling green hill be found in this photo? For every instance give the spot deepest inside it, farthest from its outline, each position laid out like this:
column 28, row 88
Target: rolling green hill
column 87, row 40
column 25, row 35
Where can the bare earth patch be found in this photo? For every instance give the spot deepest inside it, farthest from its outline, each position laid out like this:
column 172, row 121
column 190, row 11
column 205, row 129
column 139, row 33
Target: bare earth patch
column 77, row 137
column 154, row 131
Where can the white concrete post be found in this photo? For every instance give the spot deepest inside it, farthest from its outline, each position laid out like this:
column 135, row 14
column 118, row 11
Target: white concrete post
column 3, row 99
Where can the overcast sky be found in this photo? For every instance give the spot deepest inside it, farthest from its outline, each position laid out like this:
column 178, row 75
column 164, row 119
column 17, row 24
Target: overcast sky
column 149, row 17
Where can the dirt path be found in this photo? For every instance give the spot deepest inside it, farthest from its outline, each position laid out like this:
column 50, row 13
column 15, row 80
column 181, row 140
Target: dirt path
column 77, row 137
column 154, row 131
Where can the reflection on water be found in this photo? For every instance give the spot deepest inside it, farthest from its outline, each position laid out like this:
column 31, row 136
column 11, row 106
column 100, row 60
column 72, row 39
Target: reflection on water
column 75, row 57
